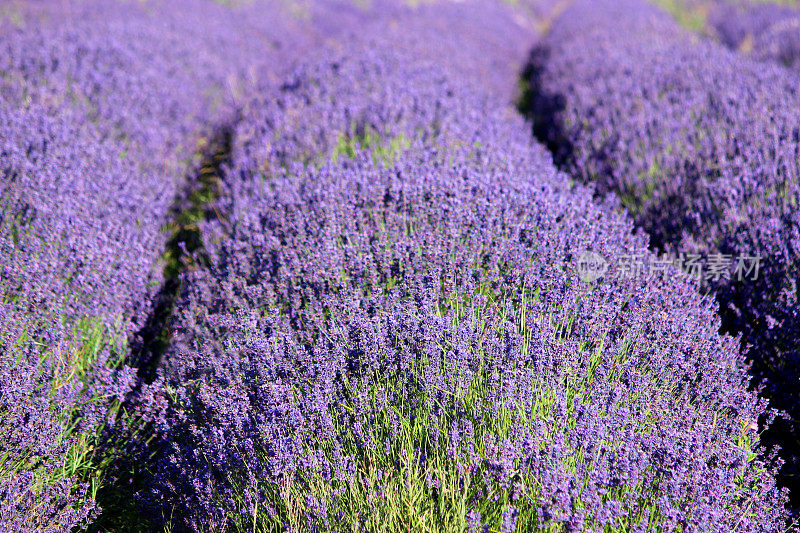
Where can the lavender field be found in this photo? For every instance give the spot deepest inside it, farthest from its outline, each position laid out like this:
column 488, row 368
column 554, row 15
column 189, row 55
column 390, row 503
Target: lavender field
column 391, row 266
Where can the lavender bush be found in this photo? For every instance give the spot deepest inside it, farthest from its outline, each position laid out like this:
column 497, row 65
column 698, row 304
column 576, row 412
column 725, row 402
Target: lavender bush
column 65, row 284
column 391, row 334
column 766, row 30
column 104, row 106
column 700, row 145
column 769, row 32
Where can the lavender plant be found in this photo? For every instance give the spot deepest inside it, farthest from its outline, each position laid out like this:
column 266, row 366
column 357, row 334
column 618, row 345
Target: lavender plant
column 61, row 335
column 391, row 335
column 700, row 145
column 768, row 32
column 103, row 107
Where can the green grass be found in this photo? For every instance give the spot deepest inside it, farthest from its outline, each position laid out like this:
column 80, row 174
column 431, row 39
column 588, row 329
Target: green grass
column 13, row 14
column 381, row 150
column 691, row 17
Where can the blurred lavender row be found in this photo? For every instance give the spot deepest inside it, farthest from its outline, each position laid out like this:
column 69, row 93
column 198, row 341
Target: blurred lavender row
column 700, row 145
column 392, row 311
column 765, row 31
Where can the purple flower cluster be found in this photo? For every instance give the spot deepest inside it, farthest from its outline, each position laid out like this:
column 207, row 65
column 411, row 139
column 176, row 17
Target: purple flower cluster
column 765, row 31
column 384, row 322
column 102, row 108
column 392, row 296
column 700, row 144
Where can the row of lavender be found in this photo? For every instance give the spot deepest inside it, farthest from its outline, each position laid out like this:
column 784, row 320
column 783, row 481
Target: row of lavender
column 766, row 31
column 701, row 146
column 391, row 333
column 104, row 108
